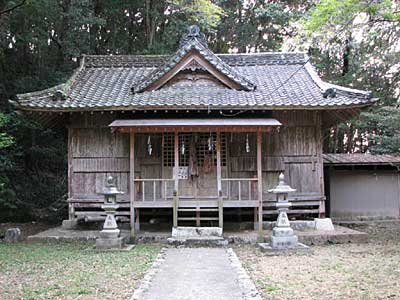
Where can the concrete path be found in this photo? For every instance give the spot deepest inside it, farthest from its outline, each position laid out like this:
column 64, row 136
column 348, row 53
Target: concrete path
column 199, row 273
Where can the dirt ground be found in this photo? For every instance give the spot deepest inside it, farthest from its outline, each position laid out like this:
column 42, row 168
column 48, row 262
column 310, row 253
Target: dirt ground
column 346, row 271
column 27, row 229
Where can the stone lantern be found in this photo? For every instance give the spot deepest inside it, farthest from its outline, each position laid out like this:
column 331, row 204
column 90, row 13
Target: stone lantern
column 110, row 234
column 283, row 237
column 282, row 234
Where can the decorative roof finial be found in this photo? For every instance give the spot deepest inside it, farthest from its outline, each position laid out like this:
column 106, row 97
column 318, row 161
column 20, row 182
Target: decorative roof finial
column 193, row 33
column 193, row 30
column 110, row 182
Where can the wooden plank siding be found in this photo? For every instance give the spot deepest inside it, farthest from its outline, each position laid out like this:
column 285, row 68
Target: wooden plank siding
column 295, row 149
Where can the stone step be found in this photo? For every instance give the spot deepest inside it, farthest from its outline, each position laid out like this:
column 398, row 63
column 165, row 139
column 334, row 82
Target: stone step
column 210, row 241
column 193, row 232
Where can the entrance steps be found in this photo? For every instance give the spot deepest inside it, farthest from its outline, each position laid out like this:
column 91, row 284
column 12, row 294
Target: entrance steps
column 197, row 237
column 199, row 215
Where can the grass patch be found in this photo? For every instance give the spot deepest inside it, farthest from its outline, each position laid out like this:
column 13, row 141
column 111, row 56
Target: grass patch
column 71, row 271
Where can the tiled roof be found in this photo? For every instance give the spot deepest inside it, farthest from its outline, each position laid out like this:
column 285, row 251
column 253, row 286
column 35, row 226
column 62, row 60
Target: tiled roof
column 194, row 41
column 360, row 159
column 282, row 81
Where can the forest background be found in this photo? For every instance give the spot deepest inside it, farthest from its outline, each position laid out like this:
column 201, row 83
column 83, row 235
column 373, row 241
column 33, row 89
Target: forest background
column 351, row 42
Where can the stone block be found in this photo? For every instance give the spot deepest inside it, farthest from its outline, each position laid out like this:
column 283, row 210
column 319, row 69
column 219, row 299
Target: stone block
column 269, row 250
column 211, row 241
column 324, row 224
column 109, row 244
column 284, row 242
column 110, row 233
column 12, row 235
column 299, row 225
column 70, row 224
column 178, row 232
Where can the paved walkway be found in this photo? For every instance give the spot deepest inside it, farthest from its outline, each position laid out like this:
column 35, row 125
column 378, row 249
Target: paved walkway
column 200, row 273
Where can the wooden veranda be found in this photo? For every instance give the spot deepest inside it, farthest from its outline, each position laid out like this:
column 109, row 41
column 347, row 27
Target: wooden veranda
column 209, row 201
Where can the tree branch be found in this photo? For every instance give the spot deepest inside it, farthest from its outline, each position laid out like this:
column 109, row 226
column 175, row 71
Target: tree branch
column 7, row 10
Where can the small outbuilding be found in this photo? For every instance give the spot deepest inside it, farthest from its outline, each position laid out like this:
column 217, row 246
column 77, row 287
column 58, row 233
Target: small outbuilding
column 362, row 186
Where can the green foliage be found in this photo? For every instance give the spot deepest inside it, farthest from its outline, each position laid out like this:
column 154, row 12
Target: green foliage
column 355, row 43
column 5, row 139
column 383, row 126
column 202, row 12
column 32, row 172
column 254, row 26
column 330, row 14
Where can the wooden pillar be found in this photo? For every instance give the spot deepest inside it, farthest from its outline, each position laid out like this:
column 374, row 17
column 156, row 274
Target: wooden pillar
column 176, row 180
column 219, row 182
column 71, row 208
column 259, row 182
column 132, row 182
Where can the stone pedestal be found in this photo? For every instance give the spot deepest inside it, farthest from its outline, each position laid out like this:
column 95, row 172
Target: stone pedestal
column 13, row 235
column 110, row 243
column 283, row 236
column 70, row 224
column 110, row 235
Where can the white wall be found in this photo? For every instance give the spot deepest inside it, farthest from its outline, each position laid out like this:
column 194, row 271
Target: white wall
column 356, row 194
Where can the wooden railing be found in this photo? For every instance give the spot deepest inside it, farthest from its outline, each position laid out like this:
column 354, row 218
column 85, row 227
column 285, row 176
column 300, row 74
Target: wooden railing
column 239, row 188
column 153, row 189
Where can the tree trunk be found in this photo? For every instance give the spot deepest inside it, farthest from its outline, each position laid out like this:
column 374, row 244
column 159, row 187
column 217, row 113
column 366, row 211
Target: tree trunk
column 346, row 56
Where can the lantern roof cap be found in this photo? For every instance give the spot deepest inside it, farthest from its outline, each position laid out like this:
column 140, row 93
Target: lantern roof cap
column 282, row 187
column 110, row 189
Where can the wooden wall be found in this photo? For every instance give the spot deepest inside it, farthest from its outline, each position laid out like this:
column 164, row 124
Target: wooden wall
column 295, row 149
column 95, row 152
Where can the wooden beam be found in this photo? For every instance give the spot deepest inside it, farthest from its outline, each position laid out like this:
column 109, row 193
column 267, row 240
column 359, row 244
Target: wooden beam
column 259, row 182
column 132, row 182
column 219, row 183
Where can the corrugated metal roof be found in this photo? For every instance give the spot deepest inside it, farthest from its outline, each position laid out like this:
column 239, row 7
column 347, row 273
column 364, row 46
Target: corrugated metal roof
column 360, row 159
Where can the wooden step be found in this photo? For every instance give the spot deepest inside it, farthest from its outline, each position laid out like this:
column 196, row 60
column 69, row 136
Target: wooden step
column 199, row 209
column 194, row 219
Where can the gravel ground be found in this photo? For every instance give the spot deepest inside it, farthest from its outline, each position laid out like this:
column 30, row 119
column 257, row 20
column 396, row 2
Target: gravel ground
column 346, row 271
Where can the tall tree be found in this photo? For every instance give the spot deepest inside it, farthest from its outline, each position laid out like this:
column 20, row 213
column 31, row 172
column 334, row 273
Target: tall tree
column 356, row 43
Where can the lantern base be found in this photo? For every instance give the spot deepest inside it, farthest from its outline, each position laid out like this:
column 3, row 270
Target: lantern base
column 110, row 233
column 110, row 243
column 269, row 250
column 284, row 242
